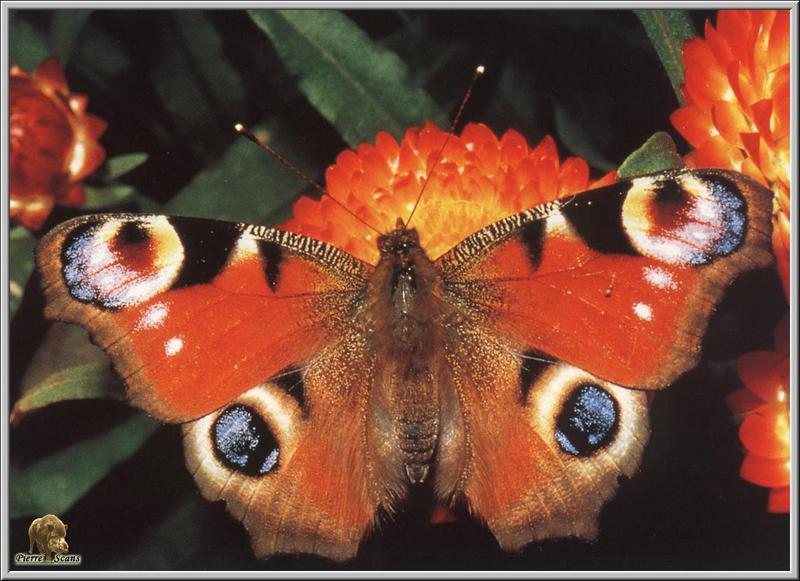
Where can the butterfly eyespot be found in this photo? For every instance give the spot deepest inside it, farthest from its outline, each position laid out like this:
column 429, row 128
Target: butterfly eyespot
column 115, row 264
column 689, row 219
column 132, row 233
column 243, row 442
column 588, row 420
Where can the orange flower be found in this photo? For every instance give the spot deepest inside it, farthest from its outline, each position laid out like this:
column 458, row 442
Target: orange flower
column 53, row 143
column 737, row 117
column 478, row 180
column 737, row 103
column 737, row 94
column 764, row 402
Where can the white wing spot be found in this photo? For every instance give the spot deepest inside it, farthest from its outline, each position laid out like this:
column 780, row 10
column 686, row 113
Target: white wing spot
column 557, row 223
column 173, row 346
column 659, row 278
column 154, row 316
column 643, row 311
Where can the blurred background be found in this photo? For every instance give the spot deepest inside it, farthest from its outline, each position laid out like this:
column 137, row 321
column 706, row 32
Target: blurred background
column 171, row 85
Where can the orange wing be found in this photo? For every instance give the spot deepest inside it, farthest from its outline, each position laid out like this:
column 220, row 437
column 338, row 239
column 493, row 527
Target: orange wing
column 619, row 281
column 195, row 312
column 545, row 443
column 562, row 305
column 290, row 457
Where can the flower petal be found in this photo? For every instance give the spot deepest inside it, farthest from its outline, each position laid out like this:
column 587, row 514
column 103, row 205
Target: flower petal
column 78, row 103
column 694, row 124
column 573, row 176
column 513, row 148
column 469, row 181
column 717, row 43
column 765, row 471
column 94, row 126
column 716, row 152
column 764, row 373
column 743, row 401
column 779, row 40
column 50, row 75
column 734, row 26
column 729, row 121
column 765, row 431
column 31, row 212
column 779, row 500
column 73, row 196
column 762, row 116
column 704, row 78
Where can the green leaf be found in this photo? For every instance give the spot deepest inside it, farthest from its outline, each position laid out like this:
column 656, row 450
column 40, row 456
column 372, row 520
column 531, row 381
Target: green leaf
column 99, row 56
column 66, row 366
column 65, row 30
column 518, row 99
column 578, row 139
column 21, row 264
column 110, row 195
column 657, row 154
column 199, row 89
column 146, row 205
column 360, row 87
column 90, row 381
column 113, row 193
column 245, row 185
column 119, row 165
column 176, row 541
column 205, row 48
column 668, row 29
column 27, row 46
column 55, row 483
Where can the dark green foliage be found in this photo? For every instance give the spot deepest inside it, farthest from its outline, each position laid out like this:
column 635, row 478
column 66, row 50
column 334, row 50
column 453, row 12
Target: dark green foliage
column 360, row 87
column 658, row 153
column 667, row 30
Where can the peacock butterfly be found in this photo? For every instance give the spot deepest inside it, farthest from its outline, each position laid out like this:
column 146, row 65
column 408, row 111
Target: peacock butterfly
column 511, row 372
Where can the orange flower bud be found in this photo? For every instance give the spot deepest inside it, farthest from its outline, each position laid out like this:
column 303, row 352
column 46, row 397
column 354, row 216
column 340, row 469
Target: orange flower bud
column 53, row 143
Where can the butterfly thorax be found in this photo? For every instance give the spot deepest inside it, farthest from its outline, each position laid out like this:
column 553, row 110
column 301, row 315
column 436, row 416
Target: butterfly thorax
column 406, row 314
column 406, row 288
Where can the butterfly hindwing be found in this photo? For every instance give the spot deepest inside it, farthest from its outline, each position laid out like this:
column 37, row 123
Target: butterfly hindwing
column 194, row 312
column 294, row 468
column 545, row 442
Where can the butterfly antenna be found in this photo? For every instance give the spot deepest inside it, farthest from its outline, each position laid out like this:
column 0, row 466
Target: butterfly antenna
column 244, row 132
column 535, row 358
column 479, row 70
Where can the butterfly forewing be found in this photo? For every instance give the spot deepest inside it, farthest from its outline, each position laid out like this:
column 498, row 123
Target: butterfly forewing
column 595, row 280
column 194, row 312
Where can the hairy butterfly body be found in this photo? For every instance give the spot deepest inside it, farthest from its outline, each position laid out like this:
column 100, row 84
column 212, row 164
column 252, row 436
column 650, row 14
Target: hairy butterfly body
column 509, row 373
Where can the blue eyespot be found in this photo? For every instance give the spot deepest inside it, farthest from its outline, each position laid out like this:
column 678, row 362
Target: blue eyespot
column 587, row 421
column 243, row 442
